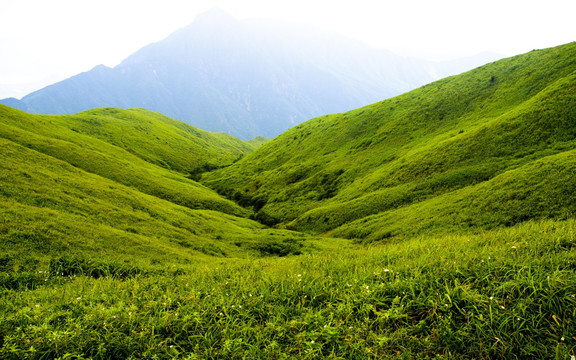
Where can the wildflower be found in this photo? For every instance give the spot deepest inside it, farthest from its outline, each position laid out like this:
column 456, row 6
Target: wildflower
column 79, row 297
column 513, row 247
column 367, row 287
column 37, row 305
column 491, row 297
column 299, row 275
column 502, row 307
column 312, row 342
column 386, row 270
column 562, row 338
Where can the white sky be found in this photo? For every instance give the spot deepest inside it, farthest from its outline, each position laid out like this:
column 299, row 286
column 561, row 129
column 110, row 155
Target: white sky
column 43, row 40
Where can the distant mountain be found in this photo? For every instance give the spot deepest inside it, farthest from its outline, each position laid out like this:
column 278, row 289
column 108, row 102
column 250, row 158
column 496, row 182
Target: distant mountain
column 246, row 78
column 493, row 147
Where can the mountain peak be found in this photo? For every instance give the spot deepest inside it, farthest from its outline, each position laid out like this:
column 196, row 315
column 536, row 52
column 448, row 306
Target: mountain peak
column 215, row 16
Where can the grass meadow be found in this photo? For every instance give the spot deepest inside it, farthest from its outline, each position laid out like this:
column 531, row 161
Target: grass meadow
column 508, row 293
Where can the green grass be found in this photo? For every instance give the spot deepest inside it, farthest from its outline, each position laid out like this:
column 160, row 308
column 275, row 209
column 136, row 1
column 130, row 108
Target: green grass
column 50, row 207
column 67, row 188
column 126, row 146
column 438, row 224
column 456, row 137
column 499, row 294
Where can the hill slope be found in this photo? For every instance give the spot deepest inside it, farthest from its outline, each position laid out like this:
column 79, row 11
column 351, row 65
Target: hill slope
column 115, row 184
column 491, row 147
column 246, row 78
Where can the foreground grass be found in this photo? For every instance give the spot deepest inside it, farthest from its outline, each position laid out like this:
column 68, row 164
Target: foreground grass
column 501, row 294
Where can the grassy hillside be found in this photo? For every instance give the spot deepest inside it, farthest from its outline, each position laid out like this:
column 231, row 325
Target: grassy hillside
column 136, row 148
column 505, row 294
column 491, row 147
column 91, row 186
column 109, row 248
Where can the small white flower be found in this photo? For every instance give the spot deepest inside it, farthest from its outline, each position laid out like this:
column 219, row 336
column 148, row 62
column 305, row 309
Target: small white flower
column 299, row 275
column 513, row 247
column 37, row 305
column 312, row 342
column 502, row 307
column 386, row 270
column 562, row 338
column 491, row 297
column 79, row 297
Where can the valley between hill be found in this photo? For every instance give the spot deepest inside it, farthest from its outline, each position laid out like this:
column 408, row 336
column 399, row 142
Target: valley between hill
column 436, row 224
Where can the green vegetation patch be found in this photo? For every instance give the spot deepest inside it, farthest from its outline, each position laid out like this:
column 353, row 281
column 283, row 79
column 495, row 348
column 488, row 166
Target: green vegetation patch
column 497, row 295
column 385, row 164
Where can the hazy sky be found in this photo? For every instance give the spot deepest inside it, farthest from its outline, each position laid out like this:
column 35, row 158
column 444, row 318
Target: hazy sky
column 51, row 40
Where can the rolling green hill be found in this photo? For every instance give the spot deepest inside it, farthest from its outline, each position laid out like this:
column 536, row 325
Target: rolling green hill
column 135, row 148
column 491, row 147
column 110, row 248
column 115, row 184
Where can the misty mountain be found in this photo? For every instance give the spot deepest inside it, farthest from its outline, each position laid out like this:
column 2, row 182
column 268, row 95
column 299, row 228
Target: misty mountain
column 246, row 78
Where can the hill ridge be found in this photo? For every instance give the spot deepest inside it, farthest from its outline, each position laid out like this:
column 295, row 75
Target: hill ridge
column 447, row 135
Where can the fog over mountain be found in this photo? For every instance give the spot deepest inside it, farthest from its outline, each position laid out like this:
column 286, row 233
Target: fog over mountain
column 247, row 78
